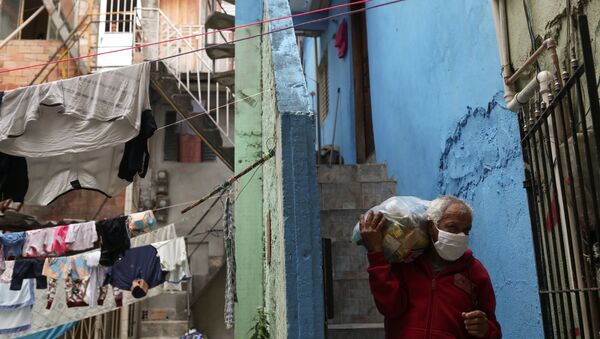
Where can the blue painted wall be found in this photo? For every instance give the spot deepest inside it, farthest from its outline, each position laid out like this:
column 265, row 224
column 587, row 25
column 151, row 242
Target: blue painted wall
column 441, row 127
column 340, row 76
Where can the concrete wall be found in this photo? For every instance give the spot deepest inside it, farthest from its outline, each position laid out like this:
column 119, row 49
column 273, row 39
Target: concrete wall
column 441, row 126
column 549, row 19
column 339, row 73
column 189, row 182
column 292, row 266
column 208, row 310
column 248, row 148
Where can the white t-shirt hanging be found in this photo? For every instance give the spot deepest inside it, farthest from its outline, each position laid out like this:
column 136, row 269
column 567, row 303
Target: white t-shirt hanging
column 97, row 170
column 82, row 236
column 173, row 259
column 76, row 115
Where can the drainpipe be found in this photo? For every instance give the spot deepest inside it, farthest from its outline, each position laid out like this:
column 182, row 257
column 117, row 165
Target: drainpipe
column 500, row 23
column 542, row 81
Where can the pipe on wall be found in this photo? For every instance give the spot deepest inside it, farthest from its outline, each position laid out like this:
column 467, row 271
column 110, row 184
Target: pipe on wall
column 542, row 81
column 501, row 25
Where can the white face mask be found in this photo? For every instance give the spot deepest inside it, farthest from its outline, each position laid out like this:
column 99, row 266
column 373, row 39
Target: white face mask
column 451, row 246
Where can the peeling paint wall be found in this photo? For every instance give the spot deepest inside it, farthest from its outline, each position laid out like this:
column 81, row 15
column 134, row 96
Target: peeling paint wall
column 441, row 126
column 294, row 291
column 549, row 20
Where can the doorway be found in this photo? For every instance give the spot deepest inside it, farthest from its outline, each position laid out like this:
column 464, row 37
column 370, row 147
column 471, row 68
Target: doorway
column 365, row 143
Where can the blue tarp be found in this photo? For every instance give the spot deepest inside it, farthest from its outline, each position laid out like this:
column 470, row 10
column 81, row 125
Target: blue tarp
column 50, row 333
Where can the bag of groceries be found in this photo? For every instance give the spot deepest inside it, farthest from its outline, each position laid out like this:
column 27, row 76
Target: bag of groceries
column 405, row 230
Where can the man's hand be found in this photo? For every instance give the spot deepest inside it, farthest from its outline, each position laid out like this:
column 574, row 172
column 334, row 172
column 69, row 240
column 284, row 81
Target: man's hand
column 476, row 323
column 371, row 231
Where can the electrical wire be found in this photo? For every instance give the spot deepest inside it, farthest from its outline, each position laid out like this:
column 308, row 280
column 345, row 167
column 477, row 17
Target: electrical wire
column 530, row 30
column 138, row 46
column 212, row 110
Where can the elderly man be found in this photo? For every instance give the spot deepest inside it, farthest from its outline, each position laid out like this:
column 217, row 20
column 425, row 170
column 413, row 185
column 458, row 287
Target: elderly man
column 444, row 293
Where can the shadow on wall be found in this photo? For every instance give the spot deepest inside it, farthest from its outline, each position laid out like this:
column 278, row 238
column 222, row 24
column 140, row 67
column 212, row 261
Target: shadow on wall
column 482, row 164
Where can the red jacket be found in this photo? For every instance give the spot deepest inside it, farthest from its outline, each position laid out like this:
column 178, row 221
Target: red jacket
column 418, row 303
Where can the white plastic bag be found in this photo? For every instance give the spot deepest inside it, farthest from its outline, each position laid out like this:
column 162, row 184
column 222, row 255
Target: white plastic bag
column 405, row 232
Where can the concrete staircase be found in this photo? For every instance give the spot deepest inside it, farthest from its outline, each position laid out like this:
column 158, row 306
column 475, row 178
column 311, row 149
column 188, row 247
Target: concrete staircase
column 346, row 192
column 167, row 87
column 166, row 316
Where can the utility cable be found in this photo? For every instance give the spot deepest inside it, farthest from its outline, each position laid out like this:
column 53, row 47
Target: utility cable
column 139, row 46
column 212, row 110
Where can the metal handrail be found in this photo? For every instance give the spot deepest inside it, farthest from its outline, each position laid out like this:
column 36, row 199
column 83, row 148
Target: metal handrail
column 80, row 27
column 184, row 68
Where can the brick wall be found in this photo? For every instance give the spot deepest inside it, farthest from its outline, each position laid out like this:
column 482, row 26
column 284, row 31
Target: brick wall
column 18, row 53
column 80, row 204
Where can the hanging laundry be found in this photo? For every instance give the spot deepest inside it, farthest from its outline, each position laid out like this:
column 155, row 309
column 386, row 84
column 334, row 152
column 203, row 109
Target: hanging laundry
column 10, row 300
column 52, row 177
column 73, row 132
column 94, row 288
column 59, row 244
column 12, row 244
column 137, row 271
column 136, row 156
column 16, row 307
column 18, row 320
column 82, row 236
column 114, row 239
column 28, row 269
column 74, row 271
column 75, row 115
column 14, row 180
column 2, row 265
column 173, row 259
column 140, row 223
column 230, row 284
column 38, row 243
column 341, row 39
column 6, row 276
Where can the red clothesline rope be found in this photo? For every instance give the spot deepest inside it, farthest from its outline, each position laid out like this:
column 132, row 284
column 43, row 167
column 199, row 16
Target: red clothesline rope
column 185, row 37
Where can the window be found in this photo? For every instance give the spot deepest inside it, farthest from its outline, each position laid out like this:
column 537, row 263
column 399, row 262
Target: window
column 183, row 145
column 322, row 88
column 14, row 12
column 119, row 15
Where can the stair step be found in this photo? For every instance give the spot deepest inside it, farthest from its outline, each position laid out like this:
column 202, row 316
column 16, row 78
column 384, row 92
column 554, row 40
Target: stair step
column 163, row 328
column 352, row 173
column 355, row 195
column 165, row 85
column 218, row 20
column 353, row 303
column 226, row 78
column 349, row 261
column 220, row 51
column 338, row 224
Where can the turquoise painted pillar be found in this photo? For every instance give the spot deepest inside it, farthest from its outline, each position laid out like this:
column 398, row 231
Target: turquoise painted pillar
column 248, row 148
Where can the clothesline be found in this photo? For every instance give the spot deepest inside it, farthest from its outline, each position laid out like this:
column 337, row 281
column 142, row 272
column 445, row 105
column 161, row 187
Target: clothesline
column 256, row 23
column 212, row 110
column 222, row 30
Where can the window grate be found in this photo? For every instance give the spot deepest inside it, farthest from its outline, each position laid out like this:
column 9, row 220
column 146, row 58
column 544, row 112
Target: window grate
column 561, row 158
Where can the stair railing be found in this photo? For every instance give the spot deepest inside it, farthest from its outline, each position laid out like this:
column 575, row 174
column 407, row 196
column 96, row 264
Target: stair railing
column 189, row 69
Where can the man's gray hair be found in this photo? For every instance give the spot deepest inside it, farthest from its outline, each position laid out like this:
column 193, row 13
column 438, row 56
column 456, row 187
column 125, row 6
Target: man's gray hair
column 437, row 207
